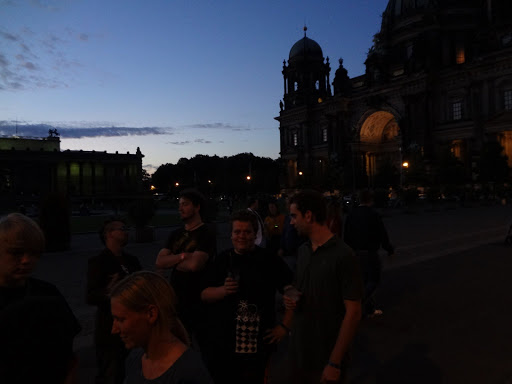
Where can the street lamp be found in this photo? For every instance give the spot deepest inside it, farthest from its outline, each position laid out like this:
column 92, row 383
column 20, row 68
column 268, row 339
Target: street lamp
column 405, row 165
column 248, row 178
column 177, row 184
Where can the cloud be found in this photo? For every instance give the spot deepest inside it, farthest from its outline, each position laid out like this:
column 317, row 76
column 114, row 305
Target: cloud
column 218, row 126
column 179, row 142
column 29, row 65
column 38, row 60
column 202, row 141
column 67, row 132
column 150, row 168
column 8, row 36
column 44, row 5
column 186, row 142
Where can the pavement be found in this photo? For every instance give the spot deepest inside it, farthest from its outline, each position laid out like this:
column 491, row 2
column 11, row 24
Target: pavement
column 445, row 298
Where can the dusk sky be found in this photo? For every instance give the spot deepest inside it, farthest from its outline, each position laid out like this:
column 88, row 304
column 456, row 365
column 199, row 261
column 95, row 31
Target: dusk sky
column 174, row 77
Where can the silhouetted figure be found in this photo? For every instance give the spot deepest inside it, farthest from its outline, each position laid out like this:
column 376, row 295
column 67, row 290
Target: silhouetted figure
column 24, row 331
column 329, row 310
column 365, row 233
column 274, row 224
column 186, row 253
column 37, row 342
column 334, row 218
column 112, row 264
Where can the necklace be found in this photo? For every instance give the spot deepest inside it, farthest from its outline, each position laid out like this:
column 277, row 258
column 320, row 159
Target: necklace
column 194, row 227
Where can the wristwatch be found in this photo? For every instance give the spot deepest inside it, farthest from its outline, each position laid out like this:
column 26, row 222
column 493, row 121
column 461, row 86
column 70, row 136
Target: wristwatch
column 334, row 365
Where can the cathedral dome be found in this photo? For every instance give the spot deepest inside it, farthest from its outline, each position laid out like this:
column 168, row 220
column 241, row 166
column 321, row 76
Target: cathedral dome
column 306, row 48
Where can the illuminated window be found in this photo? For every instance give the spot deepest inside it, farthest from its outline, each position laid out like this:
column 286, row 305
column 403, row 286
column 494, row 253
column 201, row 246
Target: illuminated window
column 295, row 139
column 457, row 110
column 324, row 135
column 317, row 85
column 456, row 149
column 295, row 86
column 507, row 98
column 460, row 56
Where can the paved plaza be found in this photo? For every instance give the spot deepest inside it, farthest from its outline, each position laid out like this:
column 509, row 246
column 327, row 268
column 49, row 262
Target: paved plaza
column 445, row 298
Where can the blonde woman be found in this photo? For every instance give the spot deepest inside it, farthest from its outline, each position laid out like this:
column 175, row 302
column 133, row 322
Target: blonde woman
column 143, row 309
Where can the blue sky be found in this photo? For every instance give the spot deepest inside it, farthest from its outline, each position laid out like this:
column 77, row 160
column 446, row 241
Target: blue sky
column 174, row 77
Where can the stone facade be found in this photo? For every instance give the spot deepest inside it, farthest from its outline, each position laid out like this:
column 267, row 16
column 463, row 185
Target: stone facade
column 438, row 78
column 37, row 167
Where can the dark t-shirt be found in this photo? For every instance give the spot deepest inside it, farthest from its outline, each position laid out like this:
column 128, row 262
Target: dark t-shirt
column 101, row 269
column 238, row 323
column 188, row 285
column 326, row 278
column 364, row 230
column 37, row 288
column 188, row 369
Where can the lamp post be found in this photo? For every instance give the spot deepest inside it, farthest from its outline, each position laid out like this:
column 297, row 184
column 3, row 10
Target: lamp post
column 405, row 166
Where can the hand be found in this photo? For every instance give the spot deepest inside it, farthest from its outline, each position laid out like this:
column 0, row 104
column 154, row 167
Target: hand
column 289, row 303
column 275, row 335
column 182, row 256
column 230, row 286
column 330, row 375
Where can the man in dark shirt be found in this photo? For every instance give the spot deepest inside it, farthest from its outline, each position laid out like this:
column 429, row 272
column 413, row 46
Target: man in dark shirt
column 112, row 264
column 186, row 252
column 241, row 288
column 365, row 233
column 21, row 244
column 329, row 310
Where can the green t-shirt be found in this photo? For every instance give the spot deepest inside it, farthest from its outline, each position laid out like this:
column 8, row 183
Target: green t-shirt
column 326, row 278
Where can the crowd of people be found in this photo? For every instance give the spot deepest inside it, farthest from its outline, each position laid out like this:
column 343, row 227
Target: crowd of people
column 202, row 316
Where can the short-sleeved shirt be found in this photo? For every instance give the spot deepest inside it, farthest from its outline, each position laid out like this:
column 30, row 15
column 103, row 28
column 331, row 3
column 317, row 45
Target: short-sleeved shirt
column 37, row 288
column 238, row 322
column 188, row 369
column 188, row 285
column 100, row 271
column 326, row 278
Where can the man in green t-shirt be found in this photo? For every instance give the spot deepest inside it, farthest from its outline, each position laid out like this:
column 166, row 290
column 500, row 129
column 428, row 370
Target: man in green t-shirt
column 329, row 309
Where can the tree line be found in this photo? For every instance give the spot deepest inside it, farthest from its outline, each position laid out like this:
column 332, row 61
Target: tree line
column 243, row 173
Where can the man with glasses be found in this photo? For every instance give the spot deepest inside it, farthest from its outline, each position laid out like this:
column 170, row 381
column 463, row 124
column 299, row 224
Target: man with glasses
column 112, row 264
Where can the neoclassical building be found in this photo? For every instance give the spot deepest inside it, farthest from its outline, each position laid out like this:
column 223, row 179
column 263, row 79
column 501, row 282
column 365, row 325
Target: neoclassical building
column 438, row 77
column 37, row 167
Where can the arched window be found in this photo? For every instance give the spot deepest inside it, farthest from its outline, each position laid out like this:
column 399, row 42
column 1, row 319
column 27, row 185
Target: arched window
column 507, row 100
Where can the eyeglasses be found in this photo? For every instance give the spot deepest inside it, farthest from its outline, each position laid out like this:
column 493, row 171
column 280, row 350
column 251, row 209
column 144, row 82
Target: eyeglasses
column 123, row 228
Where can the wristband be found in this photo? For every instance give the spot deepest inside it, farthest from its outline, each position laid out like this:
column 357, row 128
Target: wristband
column 285, row 327
column 334, row 365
